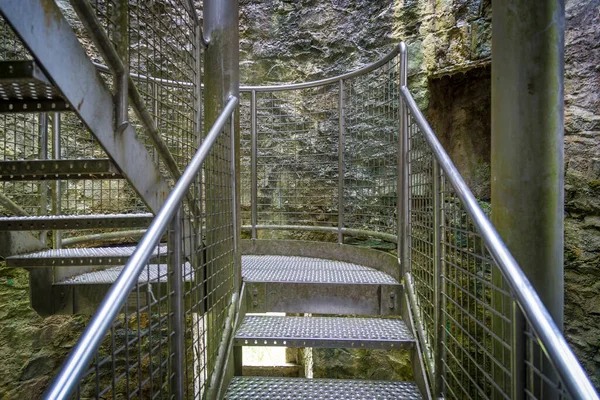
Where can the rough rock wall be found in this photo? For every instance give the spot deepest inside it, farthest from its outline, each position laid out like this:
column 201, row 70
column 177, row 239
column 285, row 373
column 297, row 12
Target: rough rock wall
column 582, row 182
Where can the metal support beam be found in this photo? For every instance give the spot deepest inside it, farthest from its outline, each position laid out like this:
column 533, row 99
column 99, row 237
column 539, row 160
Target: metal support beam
column 527, row 140
column 402, row 181
column 56, row 185
column 253, row 167
column 49, row 37
column 341, row 134
column 43, row 155
column 177, row 322
column 527, row 156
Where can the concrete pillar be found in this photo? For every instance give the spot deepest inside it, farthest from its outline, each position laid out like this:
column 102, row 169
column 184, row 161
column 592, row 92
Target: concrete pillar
column 527, row 140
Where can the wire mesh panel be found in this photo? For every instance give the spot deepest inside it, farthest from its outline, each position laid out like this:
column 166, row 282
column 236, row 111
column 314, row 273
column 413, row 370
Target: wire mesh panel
column 477, row 312
column 246, row 157
column 371, row 150
column 421, row 174
column 297, row 162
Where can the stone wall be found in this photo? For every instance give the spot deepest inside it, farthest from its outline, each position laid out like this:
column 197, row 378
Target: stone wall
column 582, row 182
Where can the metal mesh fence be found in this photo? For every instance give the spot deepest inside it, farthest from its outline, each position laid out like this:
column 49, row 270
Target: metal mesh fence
column 320, row 146
column 371, row 150
column 193, row 267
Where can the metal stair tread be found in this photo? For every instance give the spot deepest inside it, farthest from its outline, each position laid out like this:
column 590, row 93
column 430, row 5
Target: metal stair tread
column 292, row 269
column 25, row 88
column 93, row 221
column 81, row 168
column 78, row 256
column 332, row 332
column 266, row 388
column 151, row 273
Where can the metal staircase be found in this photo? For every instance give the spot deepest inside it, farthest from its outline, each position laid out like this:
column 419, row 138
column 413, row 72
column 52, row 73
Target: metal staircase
column 317, row 164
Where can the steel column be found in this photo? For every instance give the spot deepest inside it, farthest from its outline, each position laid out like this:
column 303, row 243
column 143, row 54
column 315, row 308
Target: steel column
column 253, row 168
column 527, row 150
column 341, row 134
column 175, row 283
column 43, row 155
column 57, row 185
column 121, row 39
column 402, row 182
column 237, row 232
column 527, row 140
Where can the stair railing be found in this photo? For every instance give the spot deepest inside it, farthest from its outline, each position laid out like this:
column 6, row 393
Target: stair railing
column 486, row 332
column 180, row 309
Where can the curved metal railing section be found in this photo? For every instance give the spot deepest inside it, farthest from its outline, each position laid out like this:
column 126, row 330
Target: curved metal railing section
column 319, row 159
column 157, row 331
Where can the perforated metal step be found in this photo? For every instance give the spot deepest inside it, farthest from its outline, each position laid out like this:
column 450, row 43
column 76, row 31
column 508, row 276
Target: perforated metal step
column 101, row 256
column 293, row 284
column 151, row 273
column 25, row 88
column 331, row 332
column 255, row 388
column 29, row 170
column 310, row 270
column 52, row 222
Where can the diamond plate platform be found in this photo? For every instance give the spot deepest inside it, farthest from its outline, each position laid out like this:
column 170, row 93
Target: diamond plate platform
column 255, row 388
column 93, row 168
column 25, row 88
column 324, row 332
column 101, row 256
column 152, row 273
column 57, row 222
column 310, row 270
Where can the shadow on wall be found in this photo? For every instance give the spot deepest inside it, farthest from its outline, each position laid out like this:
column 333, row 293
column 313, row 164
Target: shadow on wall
column 460, row 114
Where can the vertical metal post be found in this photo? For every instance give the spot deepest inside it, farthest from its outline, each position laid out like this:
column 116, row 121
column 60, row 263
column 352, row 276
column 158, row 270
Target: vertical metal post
column 517, row 354
column 175, row 283
column 253, row 165
column 236, row 225
column 238, row 362
column 402, row 183
column 43, row 155
column 121, row 38
column 341, row 134
column 438, row 277
column 57, row 185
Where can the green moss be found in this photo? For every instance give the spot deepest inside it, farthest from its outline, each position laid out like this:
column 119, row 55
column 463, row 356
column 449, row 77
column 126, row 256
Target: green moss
column 594, row 184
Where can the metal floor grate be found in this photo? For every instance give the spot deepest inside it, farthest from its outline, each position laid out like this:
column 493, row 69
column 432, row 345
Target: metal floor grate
column 77, row 257
column 255, row 388
column 152, row 273
column 309, row 270
column 95, row 221
column 25, row 88
column 338, row 332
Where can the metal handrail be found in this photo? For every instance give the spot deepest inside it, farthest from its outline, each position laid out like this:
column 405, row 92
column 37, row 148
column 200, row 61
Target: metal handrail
column 552, row 340
column 72, row 370
column 272, row 88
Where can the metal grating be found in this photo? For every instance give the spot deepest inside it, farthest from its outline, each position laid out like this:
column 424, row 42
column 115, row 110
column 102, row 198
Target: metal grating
column 254, row 388
column 309, row 270
column 77, row 257
column 25, row 88
column 152, row 273
column 332, row 332
column 75, row 222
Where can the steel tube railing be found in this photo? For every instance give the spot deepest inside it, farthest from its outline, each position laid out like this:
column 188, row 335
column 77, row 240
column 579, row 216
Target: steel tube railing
column 550, row 336
column 80, row 357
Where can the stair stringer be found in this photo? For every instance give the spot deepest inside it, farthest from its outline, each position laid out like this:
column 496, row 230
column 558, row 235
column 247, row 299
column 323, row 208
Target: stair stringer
column 51, row 40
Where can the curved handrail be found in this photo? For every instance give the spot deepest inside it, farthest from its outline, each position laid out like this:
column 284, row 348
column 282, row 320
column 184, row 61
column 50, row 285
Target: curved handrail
column 90, row 340
column 272, row 88
column 553, row 342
